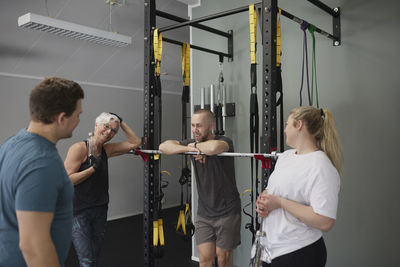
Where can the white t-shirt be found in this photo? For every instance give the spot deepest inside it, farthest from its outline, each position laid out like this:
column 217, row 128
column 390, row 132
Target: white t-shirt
column 310, row 179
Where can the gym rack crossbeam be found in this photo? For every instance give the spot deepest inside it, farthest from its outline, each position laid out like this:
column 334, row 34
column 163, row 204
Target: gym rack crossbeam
column 205, row 18
column 199, row 26
column 228, row 35
column 197, row 48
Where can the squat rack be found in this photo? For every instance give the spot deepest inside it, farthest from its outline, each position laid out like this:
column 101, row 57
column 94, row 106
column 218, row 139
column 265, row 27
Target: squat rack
column 152, row 106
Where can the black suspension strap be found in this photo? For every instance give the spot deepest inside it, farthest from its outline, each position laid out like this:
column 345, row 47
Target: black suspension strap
column 157, row 46
column 184, row 179
column 254, row 119
column 185, row 58
column 249, row 226
column 158, row 230
column 185, row 216
column 311, row 29
column 188, row 214
column 279, row 86
column 219, row 124
column 303, row 27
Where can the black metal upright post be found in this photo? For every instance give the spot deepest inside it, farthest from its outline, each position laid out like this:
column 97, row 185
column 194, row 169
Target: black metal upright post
column 269, row 86
column 149, row 132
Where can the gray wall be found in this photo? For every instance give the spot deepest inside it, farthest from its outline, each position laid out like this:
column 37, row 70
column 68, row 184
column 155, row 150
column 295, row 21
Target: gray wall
column 359, row 82
column 112, row 79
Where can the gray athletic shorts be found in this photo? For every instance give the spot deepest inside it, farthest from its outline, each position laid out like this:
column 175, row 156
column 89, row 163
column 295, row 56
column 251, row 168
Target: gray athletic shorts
column 223, row 231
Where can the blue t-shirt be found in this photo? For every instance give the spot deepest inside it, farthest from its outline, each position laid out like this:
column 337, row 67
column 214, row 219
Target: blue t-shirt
column 33, row 178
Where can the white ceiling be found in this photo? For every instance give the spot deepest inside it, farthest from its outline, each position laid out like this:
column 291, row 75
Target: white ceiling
column 26, row 52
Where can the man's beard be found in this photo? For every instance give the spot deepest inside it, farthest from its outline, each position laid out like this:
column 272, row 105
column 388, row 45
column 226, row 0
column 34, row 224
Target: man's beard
column 206, row 137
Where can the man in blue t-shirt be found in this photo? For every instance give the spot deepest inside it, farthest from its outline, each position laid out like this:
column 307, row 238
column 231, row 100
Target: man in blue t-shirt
column 35, row 191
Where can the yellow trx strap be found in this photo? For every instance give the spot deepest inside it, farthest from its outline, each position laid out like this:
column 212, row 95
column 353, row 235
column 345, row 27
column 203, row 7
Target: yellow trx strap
column 184, row 217
column 158, row 233
column 155, row 233
column 157, row 46
column 188, row 212
column 185, row 56
column 253, row 32
column 181, row 222
column 161, row 232
column 278, row 39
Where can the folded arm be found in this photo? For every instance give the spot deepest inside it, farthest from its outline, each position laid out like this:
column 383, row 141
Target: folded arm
column 171, row 147
column 267, row 203
column 213, row 147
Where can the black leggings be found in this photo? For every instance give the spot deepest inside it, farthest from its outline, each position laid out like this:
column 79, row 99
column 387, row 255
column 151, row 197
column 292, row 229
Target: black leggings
column 313, row 255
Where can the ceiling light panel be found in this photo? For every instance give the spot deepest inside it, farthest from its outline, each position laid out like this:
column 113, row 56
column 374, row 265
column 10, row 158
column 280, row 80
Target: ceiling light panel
column 72, row 30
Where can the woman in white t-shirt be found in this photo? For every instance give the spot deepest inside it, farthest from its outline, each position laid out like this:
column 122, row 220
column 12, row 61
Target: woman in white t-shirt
column 301, row 198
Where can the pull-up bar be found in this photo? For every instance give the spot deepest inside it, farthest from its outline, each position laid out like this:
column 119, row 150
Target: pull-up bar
column 334, row 12
column 198, row 48
column 200, row 26
column 300, row 21
column 205, row 18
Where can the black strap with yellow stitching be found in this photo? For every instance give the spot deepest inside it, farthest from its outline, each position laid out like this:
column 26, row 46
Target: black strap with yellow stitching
column 158, row 230
column 254, row 118
column 185, row 216
column 279, row 86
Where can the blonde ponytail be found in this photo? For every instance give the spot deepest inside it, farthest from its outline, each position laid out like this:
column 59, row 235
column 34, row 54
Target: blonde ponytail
column 330, row 142
column 321, row 124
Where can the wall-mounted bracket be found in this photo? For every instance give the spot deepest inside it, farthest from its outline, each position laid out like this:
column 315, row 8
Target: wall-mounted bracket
column 335, row 13
column 230, row 46
column 336, row 27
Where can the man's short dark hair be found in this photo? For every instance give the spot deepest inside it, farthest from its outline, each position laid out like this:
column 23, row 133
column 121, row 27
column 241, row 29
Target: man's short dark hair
column 209, row 114
column 52, row 96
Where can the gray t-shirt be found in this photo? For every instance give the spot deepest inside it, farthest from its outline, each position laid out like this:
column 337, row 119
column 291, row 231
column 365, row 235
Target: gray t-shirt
column 33, row 178
column 216, row 184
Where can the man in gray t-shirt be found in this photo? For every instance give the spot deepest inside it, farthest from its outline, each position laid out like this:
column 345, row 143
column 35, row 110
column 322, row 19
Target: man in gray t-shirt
column 219, row 213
